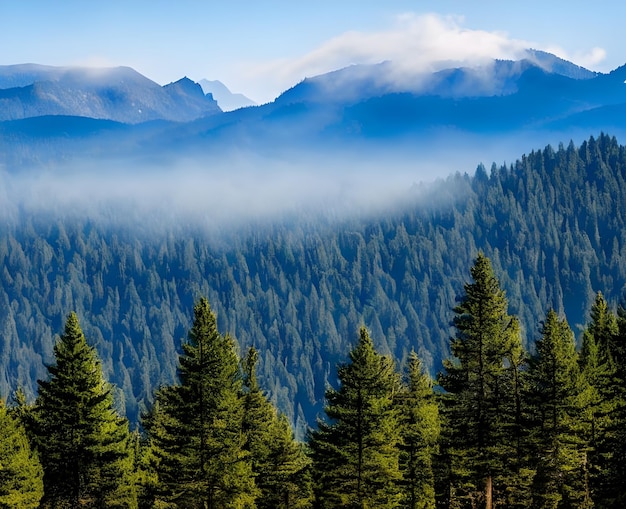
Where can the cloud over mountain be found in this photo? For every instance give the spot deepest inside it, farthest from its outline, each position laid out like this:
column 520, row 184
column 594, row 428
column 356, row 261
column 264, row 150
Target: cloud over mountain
column 415, row 44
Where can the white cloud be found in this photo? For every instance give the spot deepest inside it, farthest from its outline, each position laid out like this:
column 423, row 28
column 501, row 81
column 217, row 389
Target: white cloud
column 415, row 44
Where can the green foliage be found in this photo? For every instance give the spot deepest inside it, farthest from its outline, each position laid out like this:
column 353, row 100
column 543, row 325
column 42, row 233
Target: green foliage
column 479, row 405
column 601, row 356
column 355, row 454
column 21, row 475
column 197, row 430
column 420, row 430
column 83, row 444
column 279, row 463
column 557, row 397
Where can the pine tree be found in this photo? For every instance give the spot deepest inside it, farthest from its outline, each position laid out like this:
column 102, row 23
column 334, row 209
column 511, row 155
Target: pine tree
column 556, row 395
column 197, row 433
column 420, row 428
column 21, row 475
column 603, row 364
column 279, row 463
column 599, row 368
column 82, row 442
column 611, row 493
column 355, row 454
column 478, row 404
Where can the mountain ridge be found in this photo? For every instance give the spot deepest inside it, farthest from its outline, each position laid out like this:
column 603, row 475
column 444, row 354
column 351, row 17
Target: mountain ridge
column 117, row 93
column 227, row 100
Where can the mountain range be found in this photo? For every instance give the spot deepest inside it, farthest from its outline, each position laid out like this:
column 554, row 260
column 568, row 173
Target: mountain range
column 120, row 94
column 502, row 106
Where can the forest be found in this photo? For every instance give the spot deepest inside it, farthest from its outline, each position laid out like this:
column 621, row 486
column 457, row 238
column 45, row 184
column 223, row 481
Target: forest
column 552, row 224
column 498, row 427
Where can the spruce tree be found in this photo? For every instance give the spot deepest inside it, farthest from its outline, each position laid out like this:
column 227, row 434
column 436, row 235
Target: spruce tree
column 355, row 454
column 611, row 493
column 279, row 463
column 21, row 475
column 197, row 434
column 556, row 397
column 83, row 443
column 478, row 404
column 420, row 428
column 602, row 360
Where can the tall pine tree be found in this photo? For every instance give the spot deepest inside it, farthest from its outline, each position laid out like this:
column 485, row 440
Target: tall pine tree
column 420, row 428
column 355, row 454
column 602, row 360
column 83, row 443
column 197, row 434
column 279, row 463
column 480, row 416
column 558, row 438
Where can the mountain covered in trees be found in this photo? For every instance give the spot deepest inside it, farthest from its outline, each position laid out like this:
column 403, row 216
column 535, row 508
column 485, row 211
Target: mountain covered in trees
column 299, row 288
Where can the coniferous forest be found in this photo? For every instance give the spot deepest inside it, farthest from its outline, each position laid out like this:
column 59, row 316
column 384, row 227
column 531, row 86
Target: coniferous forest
column 498, row 428
column 433, row 345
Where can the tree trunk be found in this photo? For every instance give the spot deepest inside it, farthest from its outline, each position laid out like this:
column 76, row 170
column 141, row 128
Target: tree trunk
column 488, row 493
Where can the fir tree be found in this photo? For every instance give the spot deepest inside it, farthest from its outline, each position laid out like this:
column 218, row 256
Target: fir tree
column 556, row 394
column 478, row 404
column 420, row 427
column 83, row 443
column 197, row 433
column 602, row 360
column 279, row 463
column 21, row 475
column 597, row 360
column 611, row 493
column 355, row 454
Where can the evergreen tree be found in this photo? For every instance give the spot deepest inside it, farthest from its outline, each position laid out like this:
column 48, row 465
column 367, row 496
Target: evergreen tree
column 355, row 454
column 556, row 394
column 597, row 360
column 152, row 465
column 83, row 443
column 21, row 475
column 611, row 492
column 279, row 463
column 479, row 402
column 420, row 427
column 197, row 433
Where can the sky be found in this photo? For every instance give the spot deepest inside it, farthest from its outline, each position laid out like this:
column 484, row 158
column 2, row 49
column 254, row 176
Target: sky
column 261, row 48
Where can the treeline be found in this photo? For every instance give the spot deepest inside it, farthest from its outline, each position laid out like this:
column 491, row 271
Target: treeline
column 211, row 441
column 553, row 224
column 500, row 427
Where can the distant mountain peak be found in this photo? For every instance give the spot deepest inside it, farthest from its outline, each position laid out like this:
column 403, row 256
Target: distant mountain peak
column 551, row 63
column 226, row 99
column 185, row 85
column 112, row 93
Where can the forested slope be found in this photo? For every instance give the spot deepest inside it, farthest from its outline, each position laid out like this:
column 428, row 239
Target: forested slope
column 298, row 290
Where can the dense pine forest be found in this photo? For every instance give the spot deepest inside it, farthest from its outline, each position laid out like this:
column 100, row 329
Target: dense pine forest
column 500, row 427
column 552, row 224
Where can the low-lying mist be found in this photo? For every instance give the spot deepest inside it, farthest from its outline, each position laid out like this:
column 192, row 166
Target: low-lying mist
column 220, row 192
column 216, row 195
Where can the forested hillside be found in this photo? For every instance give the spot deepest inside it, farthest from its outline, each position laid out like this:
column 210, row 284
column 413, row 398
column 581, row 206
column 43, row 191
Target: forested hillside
column 552, row 223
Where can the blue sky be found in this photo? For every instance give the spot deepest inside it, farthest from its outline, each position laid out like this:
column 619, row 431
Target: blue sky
column 261, row 48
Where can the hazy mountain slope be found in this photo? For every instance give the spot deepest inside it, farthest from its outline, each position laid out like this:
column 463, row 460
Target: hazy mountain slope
column 226, row 100
column 119, row 94
column 299, row 288
column 491, row 112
